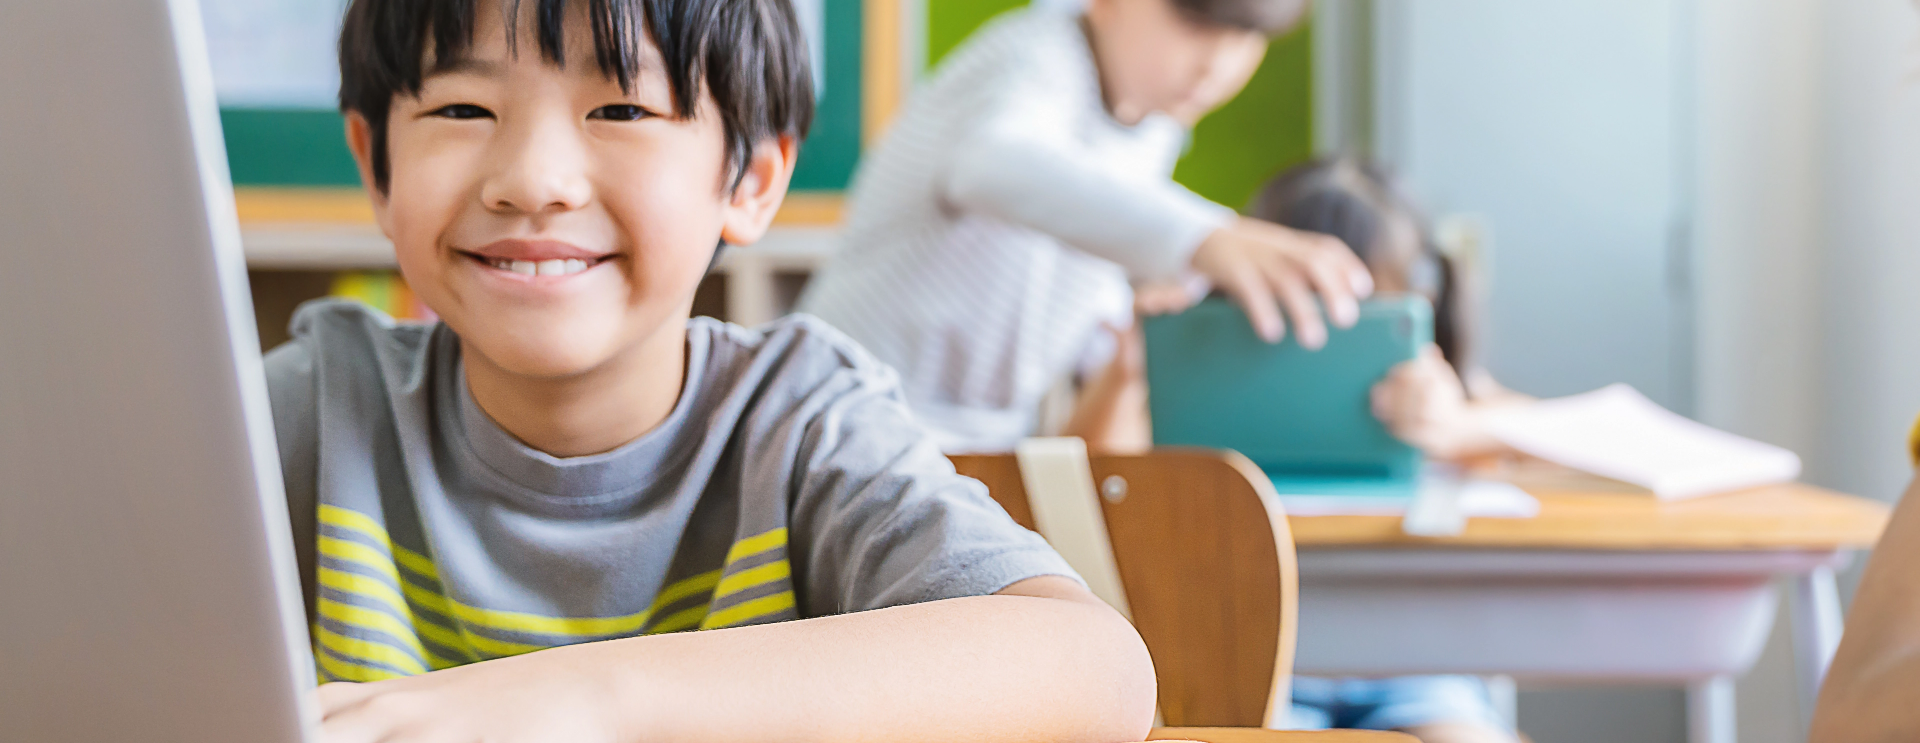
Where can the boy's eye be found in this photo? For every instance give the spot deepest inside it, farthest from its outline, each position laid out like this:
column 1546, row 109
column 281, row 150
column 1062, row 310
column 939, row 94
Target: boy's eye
column 620, row 112
column 461, row 111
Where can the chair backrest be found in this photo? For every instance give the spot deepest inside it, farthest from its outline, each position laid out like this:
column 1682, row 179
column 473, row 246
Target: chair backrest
column 1208, row 565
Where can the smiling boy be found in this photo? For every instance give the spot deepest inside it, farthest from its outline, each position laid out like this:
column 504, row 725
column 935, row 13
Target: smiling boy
column 506, row 519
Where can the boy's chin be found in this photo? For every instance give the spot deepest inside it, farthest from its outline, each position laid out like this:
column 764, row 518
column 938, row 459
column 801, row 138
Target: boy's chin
column 544, row 355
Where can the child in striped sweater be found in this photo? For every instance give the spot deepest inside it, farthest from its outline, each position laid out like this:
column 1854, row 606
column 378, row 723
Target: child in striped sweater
column 996, row 229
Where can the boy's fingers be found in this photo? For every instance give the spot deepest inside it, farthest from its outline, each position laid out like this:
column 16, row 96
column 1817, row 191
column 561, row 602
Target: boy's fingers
column 1332, row 272
column 1254, row 299
column 1308, row 326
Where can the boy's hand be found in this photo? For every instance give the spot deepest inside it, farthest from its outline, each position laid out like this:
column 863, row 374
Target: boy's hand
column 526, row 698
column 1264, row 266
column 1169, row 297
column 1423, row 403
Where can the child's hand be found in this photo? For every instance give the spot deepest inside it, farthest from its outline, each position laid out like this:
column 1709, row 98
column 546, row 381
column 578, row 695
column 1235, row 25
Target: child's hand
column 1168, row 297
column 1423, row 403
column 1264, row 266
column 526, row 698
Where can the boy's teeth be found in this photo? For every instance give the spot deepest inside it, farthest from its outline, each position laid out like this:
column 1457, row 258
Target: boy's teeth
column 555, row 267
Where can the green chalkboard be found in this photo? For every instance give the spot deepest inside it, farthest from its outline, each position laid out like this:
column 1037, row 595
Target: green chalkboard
column 1268, row 128
column 306, row 147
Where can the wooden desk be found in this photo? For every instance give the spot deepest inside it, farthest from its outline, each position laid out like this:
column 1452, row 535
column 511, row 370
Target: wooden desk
column 1791, row 517
column 1250, row 735
column 1603, row 586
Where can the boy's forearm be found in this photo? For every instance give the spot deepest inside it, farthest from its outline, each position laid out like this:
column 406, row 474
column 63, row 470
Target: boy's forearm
column 1004, row 667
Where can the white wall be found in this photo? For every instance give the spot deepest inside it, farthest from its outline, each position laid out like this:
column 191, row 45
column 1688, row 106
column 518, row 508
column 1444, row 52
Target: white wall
column 1809, row 231
column 1870, row 254
column 1756, row 223
column 1558, row 125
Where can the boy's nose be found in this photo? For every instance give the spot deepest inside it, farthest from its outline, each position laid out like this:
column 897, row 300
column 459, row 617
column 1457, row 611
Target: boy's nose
column 542, row 168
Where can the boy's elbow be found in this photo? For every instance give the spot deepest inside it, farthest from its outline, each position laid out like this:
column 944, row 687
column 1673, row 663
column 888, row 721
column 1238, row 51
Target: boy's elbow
column 1122, row 687
column 1136, row 687
column 1104, row 665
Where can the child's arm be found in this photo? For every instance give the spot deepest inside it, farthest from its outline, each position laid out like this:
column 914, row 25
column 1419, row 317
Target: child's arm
column 1110, row 413
column 1424, row 403
column 1041, row 660
column 1868, row 693
column 1013, row 169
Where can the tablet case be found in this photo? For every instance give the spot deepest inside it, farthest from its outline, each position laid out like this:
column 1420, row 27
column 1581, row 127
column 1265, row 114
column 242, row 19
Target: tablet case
column 1305, row 417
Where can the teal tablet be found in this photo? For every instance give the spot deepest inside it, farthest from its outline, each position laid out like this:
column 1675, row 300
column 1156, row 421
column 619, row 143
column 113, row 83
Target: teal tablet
column 1303, row 416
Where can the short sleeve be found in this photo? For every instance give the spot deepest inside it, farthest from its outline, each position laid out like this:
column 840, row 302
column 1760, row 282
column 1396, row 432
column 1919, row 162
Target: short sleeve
column 881, row 518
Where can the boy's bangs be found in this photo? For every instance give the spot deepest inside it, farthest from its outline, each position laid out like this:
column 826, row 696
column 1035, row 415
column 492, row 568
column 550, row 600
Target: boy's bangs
column 749, row 55
column 616, row 25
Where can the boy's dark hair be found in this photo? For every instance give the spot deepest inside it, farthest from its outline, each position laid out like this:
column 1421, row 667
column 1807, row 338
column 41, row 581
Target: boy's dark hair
column 1356, row 201
column 1269, row 17
column 750, row 54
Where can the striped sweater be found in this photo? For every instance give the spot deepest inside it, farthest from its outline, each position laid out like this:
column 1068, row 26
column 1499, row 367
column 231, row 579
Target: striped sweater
column 994, row 229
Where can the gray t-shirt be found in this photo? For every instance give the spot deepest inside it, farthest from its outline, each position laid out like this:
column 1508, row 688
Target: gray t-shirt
column 789, row 481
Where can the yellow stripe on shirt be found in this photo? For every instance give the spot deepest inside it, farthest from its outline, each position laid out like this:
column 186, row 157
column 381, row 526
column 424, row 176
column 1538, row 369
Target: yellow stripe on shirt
column 748, row 611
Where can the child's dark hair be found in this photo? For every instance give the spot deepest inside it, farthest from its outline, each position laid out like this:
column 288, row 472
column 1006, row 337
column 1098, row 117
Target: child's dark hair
column 750, row 54
column 1357, row 203
column 1266, row 16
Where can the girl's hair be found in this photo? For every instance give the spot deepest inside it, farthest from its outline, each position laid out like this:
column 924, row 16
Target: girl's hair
column 1358, row 203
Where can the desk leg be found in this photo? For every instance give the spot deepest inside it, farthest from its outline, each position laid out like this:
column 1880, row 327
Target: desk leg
column 1710, row 711
column 1817, row 624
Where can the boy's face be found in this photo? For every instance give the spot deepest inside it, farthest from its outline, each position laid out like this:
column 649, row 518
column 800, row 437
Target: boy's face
column 551, row 219
column 1154, row 59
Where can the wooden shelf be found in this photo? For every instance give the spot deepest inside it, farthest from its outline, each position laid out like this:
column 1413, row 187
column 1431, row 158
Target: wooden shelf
column 334, row 207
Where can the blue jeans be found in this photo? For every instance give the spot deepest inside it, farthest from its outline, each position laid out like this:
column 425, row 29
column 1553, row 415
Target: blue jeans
column 1390, row 703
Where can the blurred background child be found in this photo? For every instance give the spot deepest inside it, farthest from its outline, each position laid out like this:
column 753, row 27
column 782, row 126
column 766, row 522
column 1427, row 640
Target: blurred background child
column 994, row 230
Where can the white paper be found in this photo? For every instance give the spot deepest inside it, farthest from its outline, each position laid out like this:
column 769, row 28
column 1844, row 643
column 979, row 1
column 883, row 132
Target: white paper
column 1618, row 433
column 1488, row 499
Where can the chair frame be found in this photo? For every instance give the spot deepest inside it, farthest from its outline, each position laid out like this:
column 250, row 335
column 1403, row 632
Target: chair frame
column 1204, row 552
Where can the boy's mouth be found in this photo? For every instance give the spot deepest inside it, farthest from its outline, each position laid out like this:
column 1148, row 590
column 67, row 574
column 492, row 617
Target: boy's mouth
column 554, row 267
column 536, row 258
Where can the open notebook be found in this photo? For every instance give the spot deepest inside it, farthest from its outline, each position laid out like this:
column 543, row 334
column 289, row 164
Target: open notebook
column 1617, row 433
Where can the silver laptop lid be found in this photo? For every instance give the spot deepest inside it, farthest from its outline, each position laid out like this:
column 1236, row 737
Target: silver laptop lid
column 147, row 587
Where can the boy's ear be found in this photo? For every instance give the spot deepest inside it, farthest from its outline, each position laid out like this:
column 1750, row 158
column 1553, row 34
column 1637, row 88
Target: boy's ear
column 360, row 143
column 763, row 184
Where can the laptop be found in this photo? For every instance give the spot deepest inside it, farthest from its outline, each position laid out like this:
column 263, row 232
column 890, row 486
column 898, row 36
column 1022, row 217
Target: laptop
column 147, row 580
column 1305, row 417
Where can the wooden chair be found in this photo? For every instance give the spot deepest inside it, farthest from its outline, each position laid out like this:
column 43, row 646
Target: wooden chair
column 1208, row 566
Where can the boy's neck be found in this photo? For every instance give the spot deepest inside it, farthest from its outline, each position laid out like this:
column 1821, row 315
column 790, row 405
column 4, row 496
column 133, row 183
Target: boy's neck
column 589, row 413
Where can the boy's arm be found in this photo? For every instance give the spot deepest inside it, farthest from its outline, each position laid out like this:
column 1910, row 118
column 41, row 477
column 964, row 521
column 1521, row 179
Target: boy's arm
column 1012, row 172
column 1017, row 169
column 1868, row 693
column 1041, row 660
